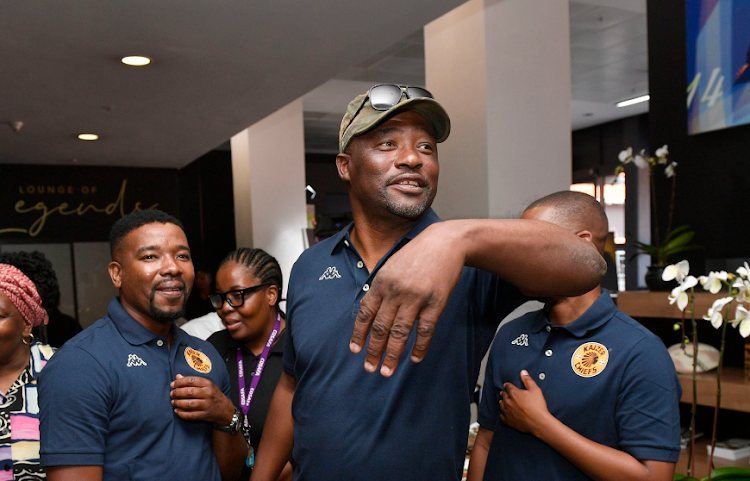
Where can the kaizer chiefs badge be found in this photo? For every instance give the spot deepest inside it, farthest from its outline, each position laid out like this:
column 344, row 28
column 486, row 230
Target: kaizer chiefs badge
column 197, row 360
column 589, row 359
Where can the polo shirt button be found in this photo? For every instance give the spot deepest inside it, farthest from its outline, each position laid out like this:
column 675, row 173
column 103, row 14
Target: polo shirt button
column 366, row 287
column 549, row 328
column 548, row 352
column 160, row 343
column 346, row 243
column 360, row 264
column 542, row 376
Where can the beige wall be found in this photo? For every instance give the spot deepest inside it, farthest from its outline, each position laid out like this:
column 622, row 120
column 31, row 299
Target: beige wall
column 268, row 166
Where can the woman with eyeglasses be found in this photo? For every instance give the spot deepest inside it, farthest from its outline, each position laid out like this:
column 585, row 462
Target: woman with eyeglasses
column 27, row 284
column 246, row 298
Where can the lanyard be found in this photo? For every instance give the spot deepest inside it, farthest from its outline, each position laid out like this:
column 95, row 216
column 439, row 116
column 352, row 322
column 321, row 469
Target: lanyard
column 246, row 400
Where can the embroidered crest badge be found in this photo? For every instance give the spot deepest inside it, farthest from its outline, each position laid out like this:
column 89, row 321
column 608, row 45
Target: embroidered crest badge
column 197, row 360
column 589, row 359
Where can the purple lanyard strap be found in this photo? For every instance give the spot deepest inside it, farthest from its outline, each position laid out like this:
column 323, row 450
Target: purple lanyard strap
column 246, row 400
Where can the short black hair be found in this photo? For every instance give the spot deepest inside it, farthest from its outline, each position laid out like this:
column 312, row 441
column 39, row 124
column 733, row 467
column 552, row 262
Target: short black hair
column 134, row 220
column 39, row 269
column 577, row 211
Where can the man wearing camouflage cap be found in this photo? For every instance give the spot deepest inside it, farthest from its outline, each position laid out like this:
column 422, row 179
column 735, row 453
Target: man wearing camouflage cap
column 397, row 263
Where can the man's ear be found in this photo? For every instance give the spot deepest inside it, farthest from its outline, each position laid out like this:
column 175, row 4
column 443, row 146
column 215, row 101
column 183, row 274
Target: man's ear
column 342, row 164
column 115, row 273
column 586, row 235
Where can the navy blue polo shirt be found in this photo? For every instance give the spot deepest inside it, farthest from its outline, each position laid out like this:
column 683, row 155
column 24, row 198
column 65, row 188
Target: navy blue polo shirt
column 105, row 401
column 350, row 424
column 605, row 376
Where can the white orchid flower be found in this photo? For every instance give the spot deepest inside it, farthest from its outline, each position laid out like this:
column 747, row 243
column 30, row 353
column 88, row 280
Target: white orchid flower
column 715, row 312
column 641, row 160
column 669, row 170
column 662, row 153
column 676, row 271
column 712, row 283
column 744, row 271
column 743, row 288
column 626, row 156
column 742, row 318
column 679, row 295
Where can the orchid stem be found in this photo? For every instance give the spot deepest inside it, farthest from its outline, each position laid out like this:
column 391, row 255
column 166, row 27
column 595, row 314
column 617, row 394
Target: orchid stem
column 694, row 407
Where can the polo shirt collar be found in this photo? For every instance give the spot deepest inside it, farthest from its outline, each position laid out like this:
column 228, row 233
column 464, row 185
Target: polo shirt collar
column 429, row 219
column 601, row 311
column 134, row 332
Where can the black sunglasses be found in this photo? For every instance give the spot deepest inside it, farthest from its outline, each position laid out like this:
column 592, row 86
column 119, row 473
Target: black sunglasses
column 234, row 298
column 385, row 96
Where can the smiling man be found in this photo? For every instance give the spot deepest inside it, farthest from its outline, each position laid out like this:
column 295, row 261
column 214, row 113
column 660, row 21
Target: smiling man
column 394, row 265
column 133, row 396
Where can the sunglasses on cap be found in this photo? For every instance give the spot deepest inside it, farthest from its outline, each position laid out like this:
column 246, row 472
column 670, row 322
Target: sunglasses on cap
column 234, row 298
column 385, row 96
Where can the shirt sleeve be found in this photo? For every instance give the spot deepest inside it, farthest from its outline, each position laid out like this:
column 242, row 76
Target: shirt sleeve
column 290, row 355
column 489, row 410
column 75, row 395
column 648, row 404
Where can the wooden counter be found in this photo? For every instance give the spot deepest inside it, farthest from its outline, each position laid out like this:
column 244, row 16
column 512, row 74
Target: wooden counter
column 656, row 304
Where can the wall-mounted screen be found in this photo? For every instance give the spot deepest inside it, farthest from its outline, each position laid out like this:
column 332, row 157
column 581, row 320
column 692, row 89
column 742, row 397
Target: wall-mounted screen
column 718, row 64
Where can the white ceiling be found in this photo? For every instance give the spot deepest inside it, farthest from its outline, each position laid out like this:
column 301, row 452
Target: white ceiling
column 221, row 66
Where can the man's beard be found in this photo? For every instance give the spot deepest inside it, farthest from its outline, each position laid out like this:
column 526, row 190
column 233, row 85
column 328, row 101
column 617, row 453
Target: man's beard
column 161, row 316
column 407, row 210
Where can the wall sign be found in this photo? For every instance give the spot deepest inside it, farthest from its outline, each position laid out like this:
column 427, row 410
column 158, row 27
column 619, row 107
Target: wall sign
column 55, row 203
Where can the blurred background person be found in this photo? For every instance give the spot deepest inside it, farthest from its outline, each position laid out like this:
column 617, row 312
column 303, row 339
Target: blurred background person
column 248, row 292
column 27, row 284
column 202, row 327
column 198, row 304
column 61, row 326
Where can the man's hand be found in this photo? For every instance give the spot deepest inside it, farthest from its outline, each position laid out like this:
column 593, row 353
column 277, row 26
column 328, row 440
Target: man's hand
column 412, row 286
column 524, row 409
column 199, row 399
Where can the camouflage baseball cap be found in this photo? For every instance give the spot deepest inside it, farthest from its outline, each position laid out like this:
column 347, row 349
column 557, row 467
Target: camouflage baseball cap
column 368, row 117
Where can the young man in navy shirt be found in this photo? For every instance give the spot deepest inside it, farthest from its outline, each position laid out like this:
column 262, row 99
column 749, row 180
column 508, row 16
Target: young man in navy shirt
column 133, row 396
column 394, row 264
column 578, row 390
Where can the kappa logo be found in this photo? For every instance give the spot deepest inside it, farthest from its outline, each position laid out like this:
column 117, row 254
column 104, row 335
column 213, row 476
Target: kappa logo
column 330, row 273
column 135, row 361
column 522, row 340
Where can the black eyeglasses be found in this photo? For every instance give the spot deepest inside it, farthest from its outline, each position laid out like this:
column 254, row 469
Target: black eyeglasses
column 385, row 96
column 234, row 298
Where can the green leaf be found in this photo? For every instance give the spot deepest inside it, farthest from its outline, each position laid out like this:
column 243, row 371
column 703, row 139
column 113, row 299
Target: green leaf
column 679, row 240
column 729, row 474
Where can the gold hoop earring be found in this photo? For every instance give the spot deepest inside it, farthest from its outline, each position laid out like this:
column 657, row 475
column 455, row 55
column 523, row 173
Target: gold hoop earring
column 30, row 341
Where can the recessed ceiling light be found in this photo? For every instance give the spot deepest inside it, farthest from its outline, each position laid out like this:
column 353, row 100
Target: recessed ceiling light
column 88, row 136
column 136, row 61
column 637, row 100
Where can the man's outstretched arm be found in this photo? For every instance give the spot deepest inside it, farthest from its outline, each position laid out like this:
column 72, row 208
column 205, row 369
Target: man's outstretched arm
column 540, row 258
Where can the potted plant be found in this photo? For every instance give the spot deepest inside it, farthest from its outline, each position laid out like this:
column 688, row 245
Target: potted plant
column 675, row 240
column 719, row 315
